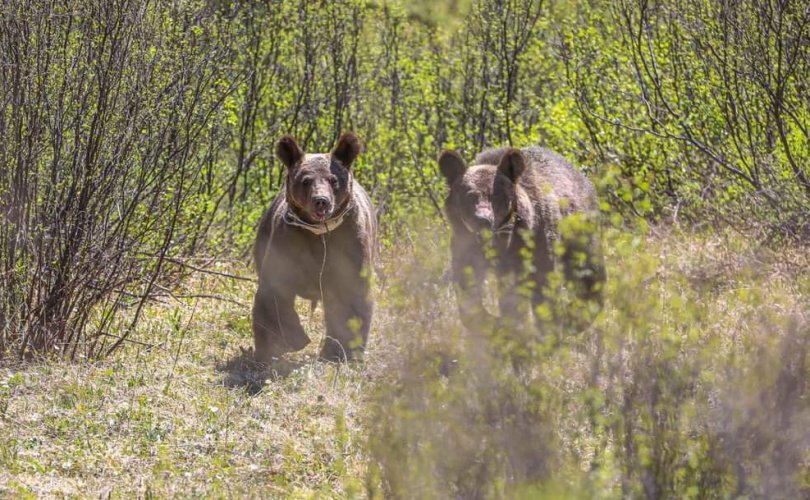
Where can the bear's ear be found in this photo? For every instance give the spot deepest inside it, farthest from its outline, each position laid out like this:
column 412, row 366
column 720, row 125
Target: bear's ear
column 452, row 165
column 512, row 164
column 347, row 149
column 288, row 151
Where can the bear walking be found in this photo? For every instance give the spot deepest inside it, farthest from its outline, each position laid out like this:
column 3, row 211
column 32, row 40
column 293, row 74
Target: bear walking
column 519, row 197
column 316, row 242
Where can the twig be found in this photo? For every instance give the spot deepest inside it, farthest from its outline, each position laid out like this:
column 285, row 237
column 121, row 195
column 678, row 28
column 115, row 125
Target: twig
column 179, row 348
column 208, row 271
column 204, row 296
column 145, row 344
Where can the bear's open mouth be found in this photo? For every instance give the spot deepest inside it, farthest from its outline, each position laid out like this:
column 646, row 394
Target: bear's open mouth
column 321, row 215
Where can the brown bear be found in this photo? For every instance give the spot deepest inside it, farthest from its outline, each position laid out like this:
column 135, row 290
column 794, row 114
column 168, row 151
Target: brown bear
column 316, row 242
column 512, row 202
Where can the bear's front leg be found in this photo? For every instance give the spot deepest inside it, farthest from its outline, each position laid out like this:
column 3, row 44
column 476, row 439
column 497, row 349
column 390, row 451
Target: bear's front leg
column 543, row 266
column 469, row 269
column 348, row 319
column 514, row 300
column 509, row 302
column 276, row 327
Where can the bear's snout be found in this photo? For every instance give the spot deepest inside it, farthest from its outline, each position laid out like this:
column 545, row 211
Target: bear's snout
column 321, row 207
column 483, row 221
column 478, row 222
column 321, row 203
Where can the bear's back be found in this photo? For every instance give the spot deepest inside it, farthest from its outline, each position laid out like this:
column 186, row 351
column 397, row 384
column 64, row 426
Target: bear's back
column 566, row 181
column 547, row 169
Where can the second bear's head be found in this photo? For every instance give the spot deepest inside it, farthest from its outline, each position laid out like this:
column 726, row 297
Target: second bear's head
column 319, row 185
column 484, row 196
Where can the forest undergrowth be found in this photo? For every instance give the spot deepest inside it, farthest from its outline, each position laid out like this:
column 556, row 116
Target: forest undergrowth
column 692, row 379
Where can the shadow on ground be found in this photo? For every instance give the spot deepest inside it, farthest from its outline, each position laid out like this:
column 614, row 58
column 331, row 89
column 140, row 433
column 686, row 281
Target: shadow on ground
column 242, row 371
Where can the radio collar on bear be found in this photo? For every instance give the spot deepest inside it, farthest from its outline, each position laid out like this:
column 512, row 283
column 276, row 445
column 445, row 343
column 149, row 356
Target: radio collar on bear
column 293, row 219
column 507, row 228
column 329, row 225
column 509, row 223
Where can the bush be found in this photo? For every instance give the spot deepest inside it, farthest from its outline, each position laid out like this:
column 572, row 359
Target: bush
column 136, row 133
column 108, row 117
column 680, row 387
column 701, row 105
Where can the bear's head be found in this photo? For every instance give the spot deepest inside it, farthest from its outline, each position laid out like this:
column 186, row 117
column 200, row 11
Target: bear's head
column 318, row 185
column 482, row 197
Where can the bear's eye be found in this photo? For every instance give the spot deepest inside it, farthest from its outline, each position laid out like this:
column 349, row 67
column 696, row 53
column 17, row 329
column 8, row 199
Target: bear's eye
column 333, row 181
column 306, row 182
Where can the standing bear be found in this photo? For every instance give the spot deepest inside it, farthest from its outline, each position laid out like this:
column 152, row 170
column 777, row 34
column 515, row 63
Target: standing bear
column 316, row 242
column 506, row 212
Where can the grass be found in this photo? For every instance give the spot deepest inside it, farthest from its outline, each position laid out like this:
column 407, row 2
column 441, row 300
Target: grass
column 189, row 416
column 187, row 413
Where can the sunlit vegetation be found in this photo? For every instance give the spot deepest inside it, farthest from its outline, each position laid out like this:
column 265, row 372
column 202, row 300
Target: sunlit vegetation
column 136, row 158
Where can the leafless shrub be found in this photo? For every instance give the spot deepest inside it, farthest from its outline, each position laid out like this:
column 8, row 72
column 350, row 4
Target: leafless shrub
column 106, row 133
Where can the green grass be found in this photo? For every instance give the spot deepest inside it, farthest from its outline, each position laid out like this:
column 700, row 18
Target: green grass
column 190, row 415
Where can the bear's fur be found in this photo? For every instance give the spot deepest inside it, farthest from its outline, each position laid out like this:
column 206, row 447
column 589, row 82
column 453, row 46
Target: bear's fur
column 505, row 198
column 316, row 242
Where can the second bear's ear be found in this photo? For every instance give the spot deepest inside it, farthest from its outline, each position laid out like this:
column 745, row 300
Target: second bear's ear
column 512, row 164
column 347, row 149
column 452, row 165
column 288, row 151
